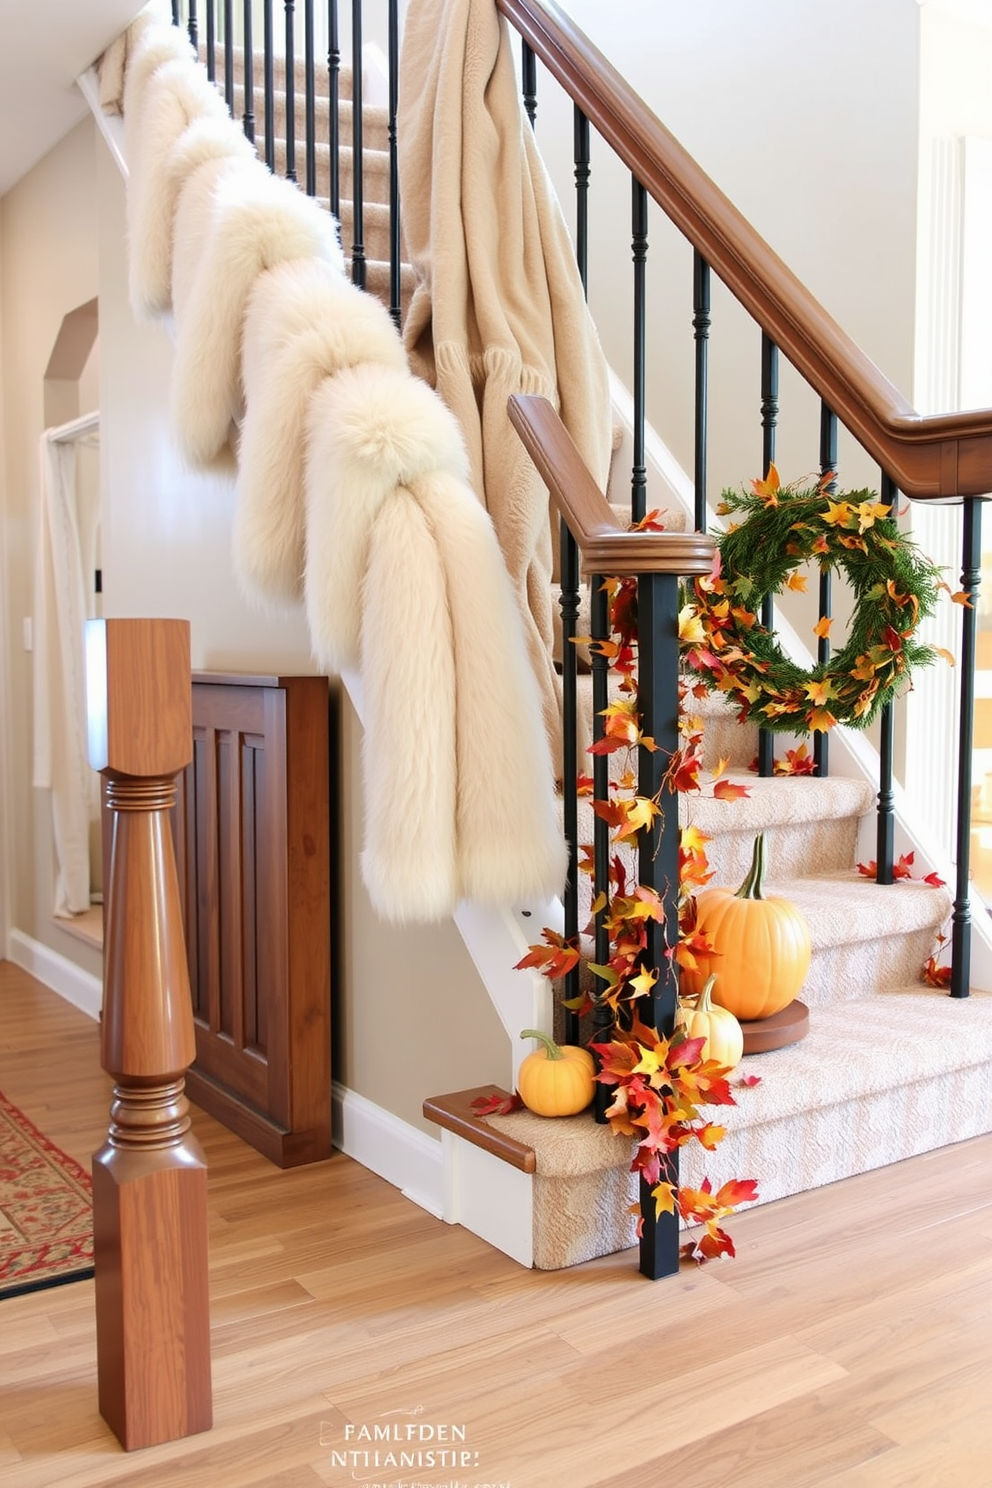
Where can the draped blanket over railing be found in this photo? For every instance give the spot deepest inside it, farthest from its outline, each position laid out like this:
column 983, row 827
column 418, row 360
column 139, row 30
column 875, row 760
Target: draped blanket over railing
column 371, row 520
column 498, row 306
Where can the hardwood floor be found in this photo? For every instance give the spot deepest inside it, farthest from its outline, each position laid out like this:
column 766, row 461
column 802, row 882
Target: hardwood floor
column 850, row 1342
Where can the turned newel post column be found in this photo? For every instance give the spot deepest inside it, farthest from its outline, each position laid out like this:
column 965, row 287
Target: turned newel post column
column 149, row 1177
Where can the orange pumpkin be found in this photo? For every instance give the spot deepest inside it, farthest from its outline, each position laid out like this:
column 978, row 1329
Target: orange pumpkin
column 763, row 946
column 556, row 1080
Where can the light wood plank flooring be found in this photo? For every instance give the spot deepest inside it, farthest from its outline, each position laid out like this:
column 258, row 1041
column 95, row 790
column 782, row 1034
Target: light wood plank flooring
column 850, row 1343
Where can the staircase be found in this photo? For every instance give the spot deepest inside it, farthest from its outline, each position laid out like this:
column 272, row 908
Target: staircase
column 375, row 153
column 889, row 1068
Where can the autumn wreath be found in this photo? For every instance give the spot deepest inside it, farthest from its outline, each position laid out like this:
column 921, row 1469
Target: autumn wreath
column 784, row 527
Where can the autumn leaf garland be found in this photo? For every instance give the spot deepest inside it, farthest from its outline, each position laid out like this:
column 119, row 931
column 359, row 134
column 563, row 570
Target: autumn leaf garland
column 659, row 1086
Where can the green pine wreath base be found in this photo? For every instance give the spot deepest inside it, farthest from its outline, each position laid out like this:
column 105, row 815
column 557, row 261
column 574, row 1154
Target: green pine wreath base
column 894, row 586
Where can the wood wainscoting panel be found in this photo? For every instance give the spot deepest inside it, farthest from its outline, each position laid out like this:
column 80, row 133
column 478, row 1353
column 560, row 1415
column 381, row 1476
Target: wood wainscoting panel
column 252, row 826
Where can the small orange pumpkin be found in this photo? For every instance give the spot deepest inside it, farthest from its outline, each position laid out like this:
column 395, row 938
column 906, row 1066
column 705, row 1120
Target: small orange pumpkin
column 555, row 1080
column 717, row 1025
column 763, row 945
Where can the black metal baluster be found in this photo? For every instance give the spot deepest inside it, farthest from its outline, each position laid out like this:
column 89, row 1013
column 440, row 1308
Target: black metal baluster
column 828, row 466
column 769, row 422
column 569, row 605
column 268, row 84
column 569, row 601
column 701, row 332
column 333, row 106
column 971, row 573
column 602, row 1017
column 176, row 19
column 885, row 824
column 192, row 29
column 582, row 173
column 290, row 8
column 358, row 185
column 310, row 87
column 211, row 41
column 658, row 861
column 639, row 251
column 528, row 79
column 395, row 285
column 229, row 55
column 248, row 118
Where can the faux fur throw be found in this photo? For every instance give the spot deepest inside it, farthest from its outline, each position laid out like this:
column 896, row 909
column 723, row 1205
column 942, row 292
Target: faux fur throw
column 498, row 307
column 353, row 496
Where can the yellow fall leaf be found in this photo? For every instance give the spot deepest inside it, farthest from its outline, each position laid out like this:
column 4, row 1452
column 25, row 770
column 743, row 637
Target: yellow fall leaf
column 796, row 581
column 820, row 720
column 768, row 488
column 838, row 513
column 641, row 812
column 869, row 512
column 642, row 983
column 664, row 1200
column 692, row 839
column 690, row 626
column 819, row 692
column 822, row 626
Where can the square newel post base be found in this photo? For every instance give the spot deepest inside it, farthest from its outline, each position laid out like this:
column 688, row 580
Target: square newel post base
column 152, row 1303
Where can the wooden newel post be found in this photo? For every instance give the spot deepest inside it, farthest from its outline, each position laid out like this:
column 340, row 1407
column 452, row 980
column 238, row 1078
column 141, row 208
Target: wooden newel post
column 150, row 1176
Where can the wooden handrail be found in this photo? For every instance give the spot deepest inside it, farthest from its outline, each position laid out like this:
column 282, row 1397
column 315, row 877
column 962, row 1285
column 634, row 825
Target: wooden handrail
column 605, row 545
column 937, row 456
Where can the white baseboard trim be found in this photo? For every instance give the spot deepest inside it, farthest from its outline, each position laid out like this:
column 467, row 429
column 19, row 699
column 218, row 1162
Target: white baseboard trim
column 63, row 976
column 406, row 1157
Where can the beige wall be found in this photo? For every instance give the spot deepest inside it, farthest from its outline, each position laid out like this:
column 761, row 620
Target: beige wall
column 49, row 267
column 805, row 115
column 415, row 1020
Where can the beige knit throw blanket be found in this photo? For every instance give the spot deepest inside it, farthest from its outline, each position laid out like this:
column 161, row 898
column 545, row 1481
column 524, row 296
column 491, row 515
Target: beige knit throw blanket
column 498, row 307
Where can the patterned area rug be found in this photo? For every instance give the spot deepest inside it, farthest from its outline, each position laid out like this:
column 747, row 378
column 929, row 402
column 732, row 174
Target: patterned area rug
column 46, row 1218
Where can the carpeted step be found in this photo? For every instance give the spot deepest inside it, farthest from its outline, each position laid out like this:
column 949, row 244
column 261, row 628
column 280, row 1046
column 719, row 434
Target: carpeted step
column 810, row 825
column 321, row 78
column 375, row 121
column 377, row 282
column 876, row 1080
column 866, row 936
column 724, row 737
column 885, row 1077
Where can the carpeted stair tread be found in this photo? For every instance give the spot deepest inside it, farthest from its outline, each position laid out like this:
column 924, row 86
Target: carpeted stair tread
column 779, row 801
column 564, row 1146
column 843, row 906
column 881, row 1042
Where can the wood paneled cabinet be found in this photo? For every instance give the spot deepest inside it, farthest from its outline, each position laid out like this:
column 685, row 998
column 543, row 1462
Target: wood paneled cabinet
column 253, row 849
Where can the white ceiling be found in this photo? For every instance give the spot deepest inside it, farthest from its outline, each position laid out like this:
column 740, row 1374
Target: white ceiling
column 44, row 46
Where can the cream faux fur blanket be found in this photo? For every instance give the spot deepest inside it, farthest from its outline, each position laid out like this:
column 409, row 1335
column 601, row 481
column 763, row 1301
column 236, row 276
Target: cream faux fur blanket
column 353, row 496
column 498, row 307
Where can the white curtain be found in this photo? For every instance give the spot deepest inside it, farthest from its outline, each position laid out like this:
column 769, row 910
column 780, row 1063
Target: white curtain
column 60, row 746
